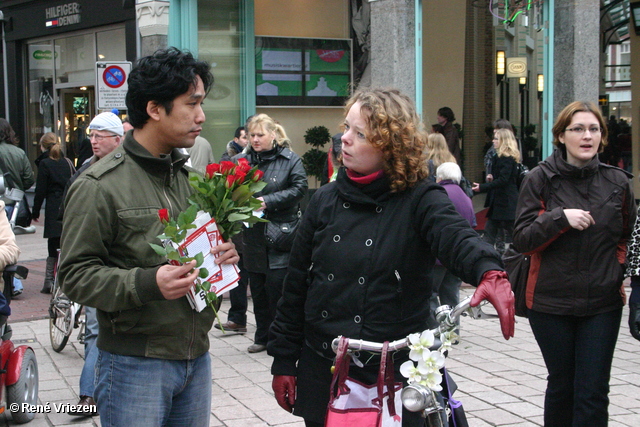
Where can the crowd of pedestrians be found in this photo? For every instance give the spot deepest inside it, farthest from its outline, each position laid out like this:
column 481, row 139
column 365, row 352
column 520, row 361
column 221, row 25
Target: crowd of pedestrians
column 388, row 239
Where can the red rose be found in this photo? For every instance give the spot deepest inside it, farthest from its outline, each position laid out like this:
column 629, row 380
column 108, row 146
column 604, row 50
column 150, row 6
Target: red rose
column 163, row 214
column 230, row 180
column 257, row 175
column 240, row 177
column 211, row 170
column 243, row 165
column 226, row 167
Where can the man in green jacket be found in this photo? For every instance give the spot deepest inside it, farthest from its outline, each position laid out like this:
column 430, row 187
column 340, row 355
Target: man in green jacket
column 153, row 366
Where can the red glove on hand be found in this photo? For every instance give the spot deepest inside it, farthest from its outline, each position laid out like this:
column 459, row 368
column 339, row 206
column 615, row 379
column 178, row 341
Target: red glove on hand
column 284, row 388
column 496, row 289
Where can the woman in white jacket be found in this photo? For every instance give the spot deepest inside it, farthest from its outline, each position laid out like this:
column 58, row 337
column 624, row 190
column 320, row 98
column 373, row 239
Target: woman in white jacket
column 9, row 252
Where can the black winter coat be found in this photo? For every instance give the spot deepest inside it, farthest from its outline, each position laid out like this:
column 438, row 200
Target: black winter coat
column 502, row 192
column 575, row 272
column 53, row 176
column 361, row 263
column 286, row 186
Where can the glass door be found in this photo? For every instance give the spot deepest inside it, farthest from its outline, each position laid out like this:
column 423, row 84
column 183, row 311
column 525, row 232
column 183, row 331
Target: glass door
column 76, row 108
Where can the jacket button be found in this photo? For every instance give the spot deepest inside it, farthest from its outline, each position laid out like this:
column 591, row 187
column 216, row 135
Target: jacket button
column 361, row 280
column 118, row 155
column 346, row 205
column 357, row 319
column 379, row 209
column 324, row 314
column 325, row 346
column 369, row 242
column 330, row 277
column 336, row 238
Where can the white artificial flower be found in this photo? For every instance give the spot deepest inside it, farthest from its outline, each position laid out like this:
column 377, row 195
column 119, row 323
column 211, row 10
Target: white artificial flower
column 420, row 344
column 432, row 381
column 409, row 371
column 448, row 338
column 433, row 359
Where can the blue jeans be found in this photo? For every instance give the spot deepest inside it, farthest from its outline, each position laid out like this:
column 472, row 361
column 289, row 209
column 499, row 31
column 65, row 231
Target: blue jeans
column 578, row 352
column 88, row 375
column 144, row 391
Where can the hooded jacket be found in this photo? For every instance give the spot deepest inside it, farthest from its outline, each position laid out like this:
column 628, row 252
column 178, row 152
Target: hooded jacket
column 111, row 216
column 574, row 272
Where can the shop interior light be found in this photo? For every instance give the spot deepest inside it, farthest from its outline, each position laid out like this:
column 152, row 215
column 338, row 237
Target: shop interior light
column 501, row 65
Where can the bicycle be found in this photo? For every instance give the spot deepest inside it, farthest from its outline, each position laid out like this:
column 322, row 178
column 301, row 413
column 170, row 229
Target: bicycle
column 64, row 316
column 417, row 397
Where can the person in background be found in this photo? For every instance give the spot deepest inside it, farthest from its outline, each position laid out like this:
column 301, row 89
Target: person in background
column 633, row 271
column 574, row 218
column 105, row 133
column 153, row 364
column 491, row 152
column 53, row 174
column 334, row 160
column 201, row 154
column 360, row 264
column 286, row 186
column 437, row 154
column 446, row 284
column 502, row 191
column 445, row 119
column 15, row 160
column 9, row 253
column 126, row 124
column 236, row 145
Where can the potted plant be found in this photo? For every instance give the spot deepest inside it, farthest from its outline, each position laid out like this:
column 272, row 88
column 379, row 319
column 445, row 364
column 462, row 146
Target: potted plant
column 314, row 160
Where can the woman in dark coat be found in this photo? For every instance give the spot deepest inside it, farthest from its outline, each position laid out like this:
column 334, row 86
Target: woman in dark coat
column 286, row 186
column 502, row 191
column 54, row 171
column 361, row 260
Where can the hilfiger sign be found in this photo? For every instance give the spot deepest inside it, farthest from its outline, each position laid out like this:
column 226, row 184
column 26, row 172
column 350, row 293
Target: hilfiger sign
column 65, row 14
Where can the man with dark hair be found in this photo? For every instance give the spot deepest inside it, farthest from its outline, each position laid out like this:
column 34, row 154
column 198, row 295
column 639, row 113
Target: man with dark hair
column 236, row 145
column 153, row 365
column 445, row 119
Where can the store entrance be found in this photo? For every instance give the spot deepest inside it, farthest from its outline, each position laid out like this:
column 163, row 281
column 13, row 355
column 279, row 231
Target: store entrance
column 76, row 109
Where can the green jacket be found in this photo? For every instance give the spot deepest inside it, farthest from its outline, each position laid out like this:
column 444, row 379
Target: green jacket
column 111, row 216
column 18, row 164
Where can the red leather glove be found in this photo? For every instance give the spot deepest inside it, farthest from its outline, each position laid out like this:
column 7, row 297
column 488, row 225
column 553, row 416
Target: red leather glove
column 284, row 388
column 495, row 288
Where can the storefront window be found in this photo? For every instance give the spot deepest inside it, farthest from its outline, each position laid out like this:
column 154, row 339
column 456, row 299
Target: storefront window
column 219, row 45
column 111, row 45
column 75, row 59
column 40, row 91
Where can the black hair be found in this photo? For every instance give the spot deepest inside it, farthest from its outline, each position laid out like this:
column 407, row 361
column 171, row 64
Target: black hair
column 447, row 113
column 238, row 130
column 161, row 78
column 6, row 133
column 503, row 124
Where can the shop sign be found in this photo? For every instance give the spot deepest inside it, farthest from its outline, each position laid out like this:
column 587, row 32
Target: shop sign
column 111, row 84
column 62, row 15
column 517, row 67
column 41, row 57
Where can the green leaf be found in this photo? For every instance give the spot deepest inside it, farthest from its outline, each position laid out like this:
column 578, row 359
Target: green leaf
column 174, row 256
column 238, row 217
column 204, row 273
column 206, row 285
column 211, row 297
column 158, row 249
column 199, row 259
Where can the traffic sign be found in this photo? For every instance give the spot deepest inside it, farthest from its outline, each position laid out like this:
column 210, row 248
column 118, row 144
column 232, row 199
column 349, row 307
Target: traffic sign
column 111, row 84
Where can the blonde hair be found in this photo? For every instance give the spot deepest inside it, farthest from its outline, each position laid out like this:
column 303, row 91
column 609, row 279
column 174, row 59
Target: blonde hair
column 437, row 150
column 49, row 141
column 508, row 144
column 393, row 127
column 267, row 124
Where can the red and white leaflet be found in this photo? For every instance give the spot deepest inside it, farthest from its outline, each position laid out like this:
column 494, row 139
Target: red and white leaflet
column 223, row 277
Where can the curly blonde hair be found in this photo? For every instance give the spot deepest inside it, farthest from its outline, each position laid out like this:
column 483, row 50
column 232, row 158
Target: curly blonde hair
column 395, row 128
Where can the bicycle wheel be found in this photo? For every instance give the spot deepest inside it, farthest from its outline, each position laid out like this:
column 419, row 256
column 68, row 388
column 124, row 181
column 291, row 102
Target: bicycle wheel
column 60, row 319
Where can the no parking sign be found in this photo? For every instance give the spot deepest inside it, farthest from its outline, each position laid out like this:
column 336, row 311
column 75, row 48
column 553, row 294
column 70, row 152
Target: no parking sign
column 111, row 84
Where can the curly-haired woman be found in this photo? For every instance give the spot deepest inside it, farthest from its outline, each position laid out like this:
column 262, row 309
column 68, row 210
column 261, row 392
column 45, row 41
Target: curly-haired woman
column 361, row 260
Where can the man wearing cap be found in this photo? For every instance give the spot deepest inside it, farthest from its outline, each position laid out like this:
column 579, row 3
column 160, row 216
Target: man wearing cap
column 153, row 363
column 105, row 133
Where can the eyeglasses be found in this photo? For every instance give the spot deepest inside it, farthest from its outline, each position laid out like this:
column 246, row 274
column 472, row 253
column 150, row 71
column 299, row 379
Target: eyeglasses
column 580, row 130
column 100, row 138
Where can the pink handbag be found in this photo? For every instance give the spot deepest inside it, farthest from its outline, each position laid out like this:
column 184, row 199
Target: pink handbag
column 355, row 404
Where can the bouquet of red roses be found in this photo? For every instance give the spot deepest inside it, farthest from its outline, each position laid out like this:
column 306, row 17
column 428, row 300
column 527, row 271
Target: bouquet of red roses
column 226, row 192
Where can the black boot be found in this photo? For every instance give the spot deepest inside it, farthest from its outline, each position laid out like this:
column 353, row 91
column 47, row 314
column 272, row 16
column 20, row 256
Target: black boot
column 48, row 275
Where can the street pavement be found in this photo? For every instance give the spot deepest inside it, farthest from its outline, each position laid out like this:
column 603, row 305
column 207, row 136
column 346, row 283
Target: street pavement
column 501, row 383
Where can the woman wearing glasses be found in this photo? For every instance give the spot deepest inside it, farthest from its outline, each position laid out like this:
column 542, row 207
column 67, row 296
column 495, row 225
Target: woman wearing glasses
column 574, row 217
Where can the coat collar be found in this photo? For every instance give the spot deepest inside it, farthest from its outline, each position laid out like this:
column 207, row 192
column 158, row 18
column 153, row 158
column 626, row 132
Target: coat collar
column 374, row 193
column 161, row 166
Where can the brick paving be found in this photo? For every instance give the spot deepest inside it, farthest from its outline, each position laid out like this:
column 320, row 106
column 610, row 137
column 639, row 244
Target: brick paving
column 501, row 383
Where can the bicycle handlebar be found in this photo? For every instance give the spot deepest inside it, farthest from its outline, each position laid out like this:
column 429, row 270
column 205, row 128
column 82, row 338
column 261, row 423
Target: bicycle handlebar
column 446, row 316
